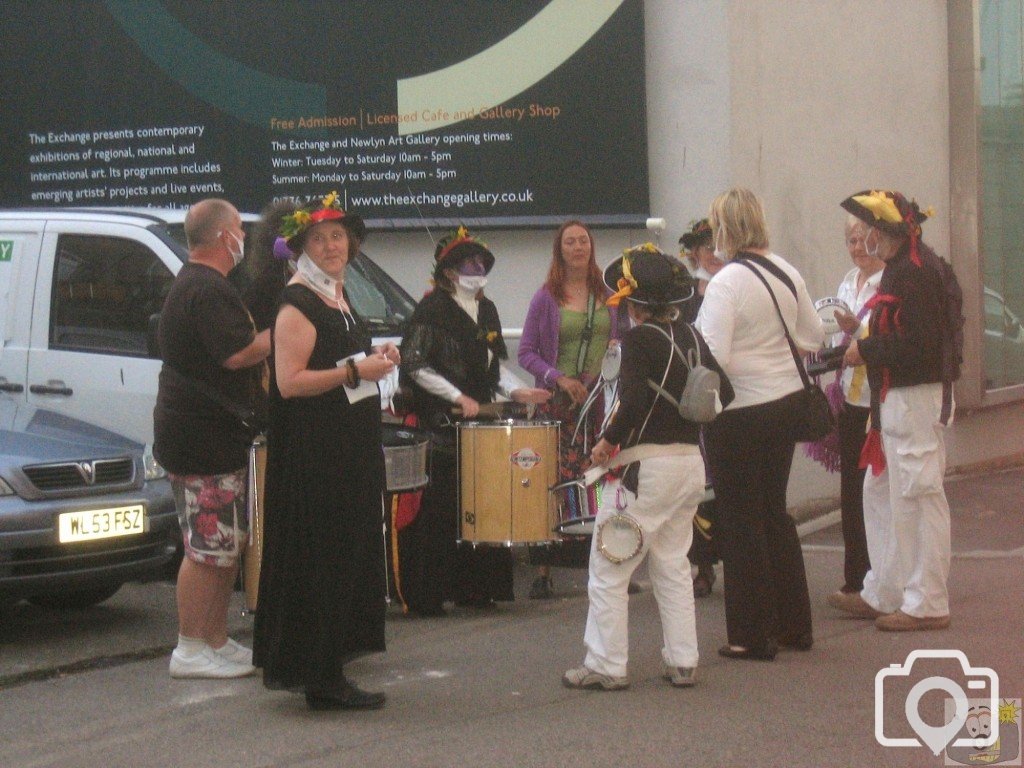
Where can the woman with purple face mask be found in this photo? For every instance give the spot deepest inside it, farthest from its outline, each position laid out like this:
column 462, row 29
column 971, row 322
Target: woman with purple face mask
column 451, row 352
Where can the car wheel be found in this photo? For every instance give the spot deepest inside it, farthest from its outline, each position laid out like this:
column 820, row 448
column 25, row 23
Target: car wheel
column 76, row 599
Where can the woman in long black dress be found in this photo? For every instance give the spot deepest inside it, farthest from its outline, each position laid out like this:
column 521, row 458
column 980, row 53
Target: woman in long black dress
column 322, row 585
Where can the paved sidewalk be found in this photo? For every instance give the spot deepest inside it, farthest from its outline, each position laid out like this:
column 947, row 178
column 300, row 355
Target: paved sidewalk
column 482, row 688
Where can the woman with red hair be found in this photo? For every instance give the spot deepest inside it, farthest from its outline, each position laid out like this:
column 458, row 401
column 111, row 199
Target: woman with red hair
column 568, row 327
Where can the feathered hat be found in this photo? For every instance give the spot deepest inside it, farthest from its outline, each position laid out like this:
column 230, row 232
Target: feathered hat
column 646, row 275
column 296, row 226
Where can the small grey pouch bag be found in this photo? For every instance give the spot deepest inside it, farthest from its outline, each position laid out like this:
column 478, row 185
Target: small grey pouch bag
column 700, row 400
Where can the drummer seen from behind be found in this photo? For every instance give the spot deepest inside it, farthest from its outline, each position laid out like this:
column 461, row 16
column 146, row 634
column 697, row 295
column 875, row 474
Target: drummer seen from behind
column 662, row 489
column 451, row 352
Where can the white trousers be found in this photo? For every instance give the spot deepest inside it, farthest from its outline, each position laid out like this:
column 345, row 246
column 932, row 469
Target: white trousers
column 906, row 515
column 670, row 489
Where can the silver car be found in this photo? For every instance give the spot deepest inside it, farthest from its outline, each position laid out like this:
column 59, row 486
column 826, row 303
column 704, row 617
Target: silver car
column 82, row 510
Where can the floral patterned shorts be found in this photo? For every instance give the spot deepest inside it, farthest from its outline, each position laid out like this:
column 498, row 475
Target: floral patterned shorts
column 212, row 515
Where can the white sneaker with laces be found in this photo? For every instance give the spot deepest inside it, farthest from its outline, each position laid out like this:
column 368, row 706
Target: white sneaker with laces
column 206, row 664
column 585, row 677
column 235, row 652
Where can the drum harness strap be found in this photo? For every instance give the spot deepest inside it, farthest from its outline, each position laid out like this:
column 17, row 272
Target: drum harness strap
column 639, row 453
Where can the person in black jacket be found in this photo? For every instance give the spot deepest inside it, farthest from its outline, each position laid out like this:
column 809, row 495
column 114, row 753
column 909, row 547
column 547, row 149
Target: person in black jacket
column 452, row 348
column 698, row 251
column 906, row 514
column 661, row 491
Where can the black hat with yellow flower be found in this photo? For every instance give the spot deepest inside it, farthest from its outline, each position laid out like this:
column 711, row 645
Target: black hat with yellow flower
column 645, row 274
column 699, row 234
column 890, row 212
column 457, row 246
column 296, row 226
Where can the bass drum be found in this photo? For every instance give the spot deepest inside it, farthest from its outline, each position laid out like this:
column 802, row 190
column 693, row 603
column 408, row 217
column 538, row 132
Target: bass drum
column 505, row 470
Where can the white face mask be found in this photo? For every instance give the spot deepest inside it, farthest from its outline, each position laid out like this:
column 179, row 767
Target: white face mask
column 701, row 274
column 471, row 283
column 318, row 280
column 237, row 256
column 872, row 252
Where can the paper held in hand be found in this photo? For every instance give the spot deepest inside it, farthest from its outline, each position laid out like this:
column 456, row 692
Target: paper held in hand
column 365, row 389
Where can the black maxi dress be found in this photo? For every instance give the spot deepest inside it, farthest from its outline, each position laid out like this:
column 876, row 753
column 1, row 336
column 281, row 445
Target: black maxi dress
column 322, row 582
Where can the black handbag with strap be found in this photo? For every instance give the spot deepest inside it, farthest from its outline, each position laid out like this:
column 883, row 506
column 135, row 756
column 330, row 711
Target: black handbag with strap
column 812, row 418
column 252, row 420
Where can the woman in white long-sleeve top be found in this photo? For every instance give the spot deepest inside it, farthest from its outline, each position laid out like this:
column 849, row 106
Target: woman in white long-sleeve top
column 750, row 445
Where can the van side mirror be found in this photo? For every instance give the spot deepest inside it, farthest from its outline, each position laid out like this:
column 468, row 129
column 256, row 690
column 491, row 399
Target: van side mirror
column 152, row 339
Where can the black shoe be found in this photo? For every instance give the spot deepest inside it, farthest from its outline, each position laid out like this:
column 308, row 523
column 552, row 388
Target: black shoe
column 802, row 642
column 431, row 612
column 542, row 588
column 767, row 653
column 704, row 581
column 479, row 602
column 350, row 698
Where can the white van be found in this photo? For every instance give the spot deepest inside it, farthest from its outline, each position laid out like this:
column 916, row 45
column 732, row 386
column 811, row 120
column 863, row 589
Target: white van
column 79, row 289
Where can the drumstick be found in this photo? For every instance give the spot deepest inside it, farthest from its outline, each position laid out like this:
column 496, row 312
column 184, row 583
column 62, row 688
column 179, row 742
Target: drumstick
column 493, row 410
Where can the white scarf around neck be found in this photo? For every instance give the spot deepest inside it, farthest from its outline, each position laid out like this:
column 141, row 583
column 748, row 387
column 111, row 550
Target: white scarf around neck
column 327, row 286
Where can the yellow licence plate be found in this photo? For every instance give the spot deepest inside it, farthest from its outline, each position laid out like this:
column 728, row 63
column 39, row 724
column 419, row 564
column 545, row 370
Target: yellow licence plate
column 102, row 523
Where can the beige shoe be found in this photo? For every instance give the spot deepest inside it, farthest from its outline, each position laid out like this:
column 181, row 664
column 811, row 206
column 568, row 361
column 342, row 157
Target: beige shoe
column 680, row 677
column 853, row 604
column 584, row 677
column 904, row 622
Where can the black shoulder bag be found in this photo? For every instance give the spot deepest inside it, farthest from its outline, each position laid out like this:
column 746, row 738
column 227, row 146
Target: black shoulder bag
column 252, row 420
column 813, row 418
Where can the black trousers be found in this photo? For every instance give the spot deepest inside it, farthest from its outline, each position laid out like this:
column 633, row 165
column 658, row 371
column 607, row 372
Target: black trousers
column 750, row 451
column 853, row 421
column 434, row 568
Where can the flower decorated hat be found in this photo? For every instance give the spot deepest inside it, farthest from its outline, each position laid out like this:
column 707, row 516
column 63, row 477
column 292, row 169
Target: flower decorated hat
column 890, row 212
column 646, row 275
column 699, row 234
column 296, row 226
column 458, row 245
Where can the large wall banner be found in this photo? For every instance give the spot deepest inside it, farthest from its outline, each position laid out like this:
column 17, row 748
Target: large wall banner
column 512, row 113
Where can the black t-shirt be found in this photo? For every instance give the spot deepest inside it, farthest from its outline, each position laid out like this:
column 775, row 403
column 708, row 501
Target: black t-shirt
column 203, row 323
column 645, row 354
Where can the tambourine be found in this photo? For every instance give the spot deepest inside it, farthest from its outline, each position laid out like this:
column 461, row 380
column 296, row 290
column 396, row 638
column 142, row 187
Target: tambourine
column 826, row 309
column 611, row 362
column 619, row 538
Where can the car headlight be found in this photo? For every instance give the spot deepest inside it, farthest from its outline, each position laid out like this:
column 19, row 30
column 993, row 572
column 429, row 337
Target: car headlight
column 153, row 469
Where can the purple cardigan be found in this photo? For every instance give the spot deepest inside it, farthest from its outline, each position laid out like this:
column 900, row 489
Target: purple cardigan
column 538, row 349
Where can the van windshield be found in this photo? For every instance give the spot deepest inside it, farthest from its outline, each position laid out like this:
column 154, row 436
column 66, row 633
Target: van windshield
column 375, row 296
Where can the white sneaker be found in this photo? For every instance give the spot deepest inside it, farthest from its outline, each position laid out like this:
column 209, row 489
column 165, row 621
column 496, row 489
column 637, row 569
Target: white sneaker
column 235, row 652
column 585, row 677
column 207, row 663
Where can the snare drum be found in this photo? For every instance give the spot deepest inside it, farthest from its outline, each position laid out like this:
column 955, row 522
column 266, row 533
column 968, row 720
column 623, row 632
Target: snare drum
column 578, row 504
column 406, row 455
column 505, row 470
column 254, row 502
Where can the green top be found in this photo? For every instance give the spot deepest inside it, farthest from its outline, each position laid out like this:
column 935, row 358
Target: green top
column 569, row 332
